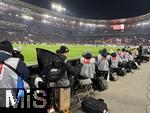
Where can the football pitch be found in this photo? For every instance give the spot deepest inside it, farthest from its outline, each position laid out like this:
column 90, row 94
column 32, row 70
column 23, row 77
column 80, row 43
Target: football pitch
column 76, row 51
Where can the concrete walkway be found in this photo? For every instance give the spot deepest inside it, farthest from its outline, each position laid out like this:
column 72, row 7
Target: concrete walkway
column 129, row 94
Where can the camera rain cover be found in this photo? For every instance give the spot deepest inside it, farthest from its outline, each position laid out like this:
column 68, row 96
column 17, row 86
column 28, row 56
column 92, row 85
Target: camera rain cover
column 51, row 65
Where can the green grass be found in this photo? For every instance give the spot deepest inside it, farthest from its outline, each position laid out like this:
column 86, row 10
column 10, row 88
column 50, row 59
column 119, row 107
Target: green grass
column 76, row 51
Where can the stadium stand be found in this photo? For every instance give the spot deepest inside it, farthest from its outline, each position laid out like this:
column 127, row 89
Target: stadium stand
column 30, row 24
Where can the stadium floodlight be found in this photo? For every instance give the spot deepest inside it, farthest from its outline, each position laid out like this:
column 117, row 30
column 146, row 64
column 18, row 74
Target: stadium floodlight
column 54, row 18
column 103, row 25
column 81, row 23
column 99, row 25
column 58, row 7
column 54, row 5
column 73, row 22
column 45, row 21
column 9, row 14
column 26, row 17
column 138, row 24
column 3, row 4
column 63, row 20
column 46, row 16
column 64, row 9
column 91, row 25
column 145, row 23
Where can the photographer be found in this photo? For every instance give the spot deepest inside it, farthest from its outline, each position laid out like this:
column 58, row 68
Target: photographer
column 148, row 50
column 71, row 71
column 103, row 64
column 140, row 51
column 13, row 68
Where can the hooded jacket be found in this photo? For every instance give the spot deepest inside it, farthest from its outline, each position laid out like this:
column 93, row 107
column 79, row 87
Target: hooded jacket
column 8, row 78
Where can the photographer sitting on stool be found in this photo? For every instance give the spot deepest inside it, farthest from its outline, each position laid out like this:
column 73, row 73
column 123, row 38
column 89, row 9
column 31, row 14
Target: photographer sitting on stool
column 70, row 72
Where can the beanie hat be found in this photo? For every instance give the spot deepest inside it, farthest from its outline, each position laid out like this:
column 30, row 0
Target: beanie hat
column 104, row 54
column 6, row 45
column 118, row 49
column 87, row 55
column 123, row 49
column 63, row 49
column 113, row 54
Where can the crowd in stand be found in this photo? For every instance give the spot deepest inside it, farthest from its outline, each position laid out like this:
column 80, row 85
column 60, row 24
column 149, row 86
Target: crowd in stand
column 26, row 37
column 114, row 40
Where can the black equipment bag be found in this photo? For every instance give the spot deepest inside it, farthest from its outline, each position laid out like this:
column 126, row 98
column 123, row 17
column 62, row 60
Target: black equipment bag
column 127, row 66
column 134, row 66
column 145, row 58
column 113, row 74
column 92, row 105
column 100, row 83
column 51, row 65
column 121, row 72
column 138, row 61
column 121, row 69
column 114, row 77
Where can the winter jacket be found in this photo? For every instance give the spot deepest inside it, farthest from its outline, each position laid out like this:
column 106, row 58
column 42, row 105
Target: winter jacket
column 9, row 78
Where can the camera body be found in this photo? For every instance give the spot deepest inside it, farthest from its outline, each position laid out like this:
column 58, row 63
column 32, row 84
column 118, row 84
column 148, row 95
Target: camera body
column 17, row 54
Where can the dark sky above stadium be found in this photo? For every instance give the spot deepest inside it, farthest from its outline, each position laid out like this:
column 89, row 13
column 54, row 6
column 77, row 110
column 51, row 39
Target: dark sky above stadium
column 99, row 9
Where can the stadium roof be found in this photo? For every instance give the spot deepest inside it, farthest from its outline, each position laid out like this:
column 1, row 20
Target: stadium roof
column 99, row 9
column 40, row 10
